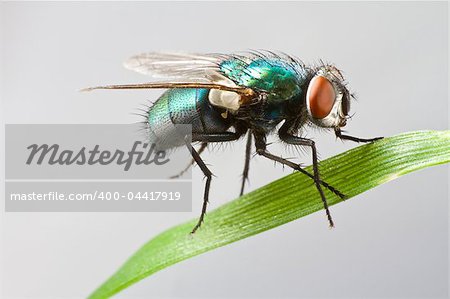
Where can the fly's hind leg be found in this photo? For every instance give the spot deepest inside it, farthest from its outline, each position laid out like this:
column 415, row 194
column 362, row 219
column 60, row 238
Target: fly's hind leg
column 199, row 151
column 208, row 175
column 248, row 149
column 206, row 138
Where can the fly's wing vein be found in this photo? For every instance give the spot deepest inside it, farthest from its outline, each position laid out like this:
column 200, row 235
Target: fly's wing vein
column 248, row 92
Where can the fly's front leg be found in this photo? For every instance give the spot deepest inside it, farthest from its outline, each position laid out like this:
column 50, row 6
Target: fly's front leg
column 199, row 151
column 341, row 136
column 248, row 150
column 205, row 138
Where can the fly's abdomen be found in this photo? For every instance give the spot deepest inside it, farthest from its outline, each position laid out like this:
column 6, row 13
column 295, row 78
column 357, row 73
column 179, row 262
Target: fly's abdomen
column 183, row 106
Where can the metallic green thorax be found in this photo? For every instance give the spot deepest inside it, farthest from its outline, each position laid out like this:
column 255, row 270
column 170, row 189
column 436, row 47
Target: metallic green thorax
column 279, row 79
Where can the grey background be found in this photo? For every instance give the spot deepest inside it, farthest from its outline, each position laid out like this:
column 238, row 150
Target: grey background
column 390, row 242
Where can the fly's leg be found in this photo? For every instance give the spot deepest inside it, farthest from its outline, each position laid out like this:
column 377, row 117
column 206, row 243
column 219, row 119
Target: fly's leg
column 205, row 138
column 208, row 175
column 308, row 142
column 215, row 137
column 284, row 131
column 260, row 143
column 248, row 149
column 341, row 136
column 199, row 151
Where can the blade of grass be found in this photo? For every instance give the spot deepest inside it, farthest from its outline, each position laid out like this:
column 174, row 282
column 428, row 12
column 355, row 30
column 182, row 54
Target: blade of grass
column 282, row 201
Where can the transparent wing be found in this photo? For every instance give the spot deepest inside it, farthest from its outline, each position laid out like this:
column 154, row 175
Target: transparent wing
column 180, row 70
column 205, row 67
column 195, row 67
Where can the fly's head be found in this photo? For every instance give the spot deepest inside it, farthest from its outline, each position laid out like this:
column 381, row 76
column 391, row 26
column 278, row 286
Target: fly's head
column 327, row 98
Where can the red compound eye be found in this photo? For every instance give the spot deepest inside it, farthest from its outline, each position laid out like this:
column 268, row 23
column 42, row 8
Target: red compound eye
column 321, row 97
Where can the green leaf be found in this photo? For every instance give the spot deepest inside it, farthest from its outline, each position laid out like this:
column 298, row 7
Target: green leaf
column 282, row 201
